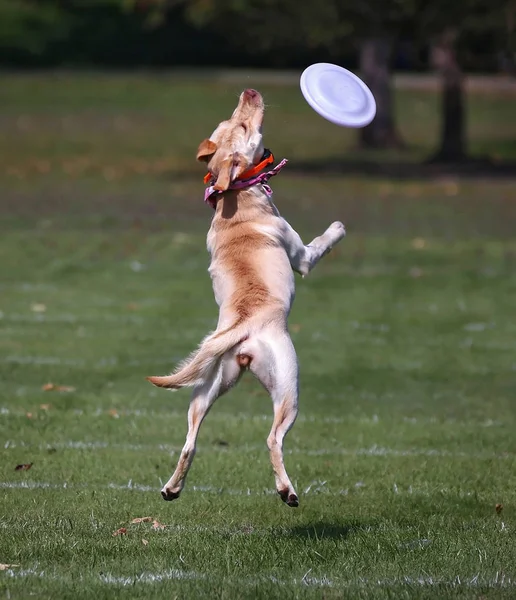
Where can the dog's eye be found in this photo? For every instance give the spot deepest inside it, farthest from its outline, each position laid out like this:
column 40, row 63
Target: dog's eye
column 244, row 127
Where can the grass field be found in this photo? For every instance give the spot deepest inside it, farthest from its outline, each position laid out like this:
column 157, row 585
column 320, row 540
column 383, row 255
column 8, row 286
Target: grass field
column 406, row 336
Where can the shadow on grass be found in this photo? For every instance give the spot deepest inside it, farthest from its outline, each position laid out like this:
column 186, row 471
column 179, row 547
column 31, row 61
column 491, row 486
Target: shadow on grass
column 329, row 530
column 467, row 168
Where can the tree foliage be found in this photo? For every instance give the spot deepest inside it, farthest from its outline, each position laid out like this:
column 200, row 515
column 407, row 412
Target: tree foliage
column 276, row 32
column 286, row 24
column 28, row 27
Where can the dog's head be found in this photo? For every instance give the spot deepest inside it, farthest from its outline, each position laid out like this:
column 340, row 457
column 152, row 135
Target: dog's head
column 236, row 144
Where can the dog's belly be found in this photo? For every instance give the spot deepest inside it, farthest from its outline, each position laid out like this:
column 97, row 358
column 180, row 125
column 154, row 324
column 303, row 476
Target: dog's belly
column 274, row 267
column 252, row 282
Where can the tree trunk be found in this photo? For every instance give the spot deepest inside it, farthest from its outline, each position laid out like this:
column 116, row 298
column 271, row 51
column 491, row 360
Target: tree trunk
column 375, row 54
column 452, row 147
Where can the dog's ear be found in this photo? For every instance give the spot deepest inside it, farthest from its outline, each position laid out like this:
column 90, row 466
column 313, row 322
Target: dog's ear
column 206, row 150
column 230, row 169
column 224, row 176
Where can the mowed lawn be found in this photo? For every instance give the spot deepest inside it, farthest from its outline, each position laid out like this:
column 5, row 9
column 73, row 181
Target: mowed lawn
column 404, row 453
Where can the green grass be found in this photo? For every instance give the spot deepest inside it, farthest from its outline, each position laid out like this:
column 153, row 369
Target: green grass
column 405, row 334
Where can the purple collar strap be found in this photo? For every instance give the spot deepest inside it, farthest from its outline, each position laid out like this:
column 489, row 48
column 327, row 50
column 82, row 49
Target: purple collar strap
column 210, row 194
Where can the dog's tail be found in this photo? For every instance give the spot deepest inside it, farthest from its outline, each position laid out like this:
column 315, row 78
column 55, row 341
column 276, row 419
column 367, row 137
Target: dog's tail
column 198, row 365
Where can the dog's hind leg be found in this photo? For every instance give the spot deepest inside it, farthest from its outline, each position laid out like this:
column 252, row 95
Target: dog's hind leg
column 223, row 377
column 275, row 366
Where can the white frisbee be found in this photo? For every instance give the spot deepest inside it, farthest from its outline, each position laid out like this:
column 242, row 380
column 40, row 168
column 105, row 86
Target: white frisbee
column 338, row 95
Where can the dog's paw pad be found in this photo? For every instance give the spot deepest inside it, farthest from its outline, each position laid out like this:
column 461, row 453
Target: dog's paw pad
column 169, row 495
column 338, row 227
column 292, row 500
column 289, row 498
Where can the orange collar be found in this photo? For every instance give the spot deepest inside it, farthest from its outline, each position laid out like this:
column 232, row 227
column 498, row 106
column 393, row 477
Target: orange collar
column 267, row 159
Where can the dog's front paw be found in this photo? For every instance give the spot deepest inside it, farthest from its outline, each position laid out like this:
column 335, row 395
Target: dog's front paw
column 338, row 230
column 289, row 497
column 170, row 494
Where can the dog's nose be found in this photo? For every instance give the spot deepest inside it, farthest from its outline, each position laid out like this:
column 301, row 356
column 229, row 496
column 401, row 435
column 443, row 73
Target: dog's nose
column 251, row 93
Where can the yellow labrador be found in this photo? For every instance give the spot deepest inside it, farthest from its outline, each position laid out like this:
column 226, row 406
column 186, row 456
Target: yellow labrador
column 253, row 254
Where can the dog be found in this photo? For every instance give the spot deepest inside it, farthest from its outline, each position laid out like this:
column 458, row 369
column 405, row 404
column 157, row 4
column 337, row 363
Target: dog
column 254, row 253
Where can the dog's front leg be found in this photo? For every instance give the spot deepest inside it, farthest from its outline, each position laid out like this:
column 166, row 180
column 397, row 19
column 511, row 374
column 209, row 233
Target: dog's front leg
column 304, row 258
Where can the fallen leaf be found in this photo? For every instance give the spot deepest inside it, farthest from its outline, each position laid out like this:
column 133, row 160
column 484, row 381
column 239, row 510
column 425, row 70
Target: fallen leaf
column 45, row 406
column 451, row 188
column 43, row 166
column 499, row 508
column 5, row 567
column 14, row 172
column 28, row 415
column 121, row 531
column 413, row 191
column 145, row 542
column 113, row 413
column 52, row 387
column 37, row 307
column 157, row 525
column 132, row 306
column 142, row 520
column 24, row 467
column 418, row 243
column 110, row 173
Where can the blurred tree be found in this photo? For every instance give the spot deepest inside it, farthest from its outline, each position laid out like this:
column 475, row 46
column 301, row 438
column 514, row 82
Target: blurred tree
column 378, row 26
column 452, row 145
column 446, row 25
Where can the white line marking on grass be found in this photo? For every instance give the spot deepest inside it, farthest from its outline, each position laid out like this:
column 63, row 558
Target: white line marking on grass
column 382, row 451
column 374, row 451
column 222, row 416
column 43, row 360
column 458, row 581
column 27, row 286
column 33, row 485
column 107, row 361
column 71, row 318
column 211, row 489
column 22, row 573
column 499, row 581
column 101, row 318
column 93, row 445
column 138, row 487
column 147, row 577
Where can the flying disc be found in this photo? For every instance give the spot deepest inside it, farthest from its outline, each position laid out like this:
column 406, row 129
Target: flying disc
column 338, row 95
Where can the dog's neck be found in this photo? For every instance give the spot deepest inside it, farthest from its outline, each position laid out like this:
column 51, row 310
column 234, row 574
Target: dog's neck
column 211, row 195
column 247, row 204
